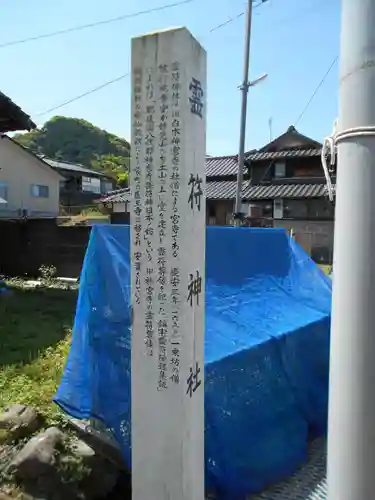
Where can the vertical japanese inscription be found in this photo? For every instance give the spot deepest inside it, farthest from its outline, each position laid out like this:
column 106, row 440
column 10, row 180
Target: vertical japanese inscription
column 149, row 216
column 137, row 207
column 175, row 273
column 162, row 207
column 196, row 98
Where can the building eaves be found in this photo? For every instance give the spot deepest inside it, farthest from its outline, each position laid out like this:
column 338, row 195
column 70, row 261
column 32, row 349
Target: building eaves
column 12, row 117
column 221, row 166
column 221, row 190
column 122, row 195
column 226, row 190
column 261, row 192
column 292, row 153
column 59, row 165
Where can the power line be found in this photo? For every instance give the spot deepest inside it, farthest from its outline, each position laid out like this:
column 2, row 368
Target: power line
column 225, row 23
column 92, row 25
column 317, row 89
column 76, row 98
column 231, row 19
column 114, row 80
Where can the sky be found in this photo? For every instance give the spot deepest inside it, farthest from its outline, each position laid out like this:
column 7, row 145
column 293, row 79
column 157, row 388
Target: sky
column 293, row 41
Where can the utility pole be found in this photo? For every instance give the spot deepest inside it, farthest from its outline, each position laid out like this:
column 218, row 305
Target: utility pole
column 244, row 87
column 351, row 429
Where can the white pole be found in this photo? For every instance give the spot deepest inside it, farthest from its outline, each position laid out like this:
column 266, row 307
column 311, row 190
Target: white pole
column 168, row 265
column 351, row 436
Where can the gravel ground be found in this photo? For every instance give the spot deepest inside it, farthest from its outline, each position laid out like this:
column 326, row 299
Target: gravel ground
column 308, row 483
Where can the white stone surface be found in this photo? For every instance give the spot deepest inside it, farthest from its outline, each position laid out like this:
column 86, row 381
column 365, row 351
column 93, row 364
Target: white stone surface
column 168, row 253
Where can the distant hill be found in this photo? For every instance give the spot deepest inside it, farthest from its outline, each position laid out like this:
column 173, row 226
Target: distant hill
column 78, row 141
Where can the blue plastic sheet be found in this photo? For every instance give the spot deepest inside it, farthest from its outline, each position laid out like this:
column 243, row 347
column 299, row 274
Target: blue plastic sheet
column 266, row 352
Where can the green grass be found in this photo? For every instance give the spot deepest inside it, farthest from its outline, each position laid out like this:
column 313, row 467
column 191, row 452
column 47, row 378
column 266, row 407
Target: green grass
column 35, row 335
column 325, row 268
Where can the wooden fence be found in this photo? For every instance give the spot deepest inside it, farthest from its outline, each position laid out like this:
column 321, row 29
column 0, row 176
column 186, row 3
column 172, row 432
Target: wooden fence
column 26, row 245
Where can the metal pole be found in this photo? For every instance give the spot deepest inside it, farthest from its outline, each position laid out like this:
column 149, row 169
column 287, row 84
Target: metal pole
column 244, row 88
column 351, row 429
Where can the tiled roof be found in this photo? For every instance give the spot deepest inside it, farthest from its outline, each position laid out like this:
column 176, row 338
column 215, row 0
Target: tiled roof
column 266, row 192
column 226, row 190
column 292, row 153
column 12, row 117
column 117, row 196
column 220, row 166
column 59, row 165
column 221, row 190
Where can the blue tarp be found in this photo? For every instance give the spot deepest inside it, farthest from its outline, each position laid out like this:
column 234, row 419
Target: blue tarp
column 266, row 352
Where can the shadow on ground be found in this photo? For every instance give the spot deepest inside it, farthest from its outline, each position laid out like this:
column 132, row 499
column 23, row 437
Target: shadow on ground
column 32, row 320
column 308, row 483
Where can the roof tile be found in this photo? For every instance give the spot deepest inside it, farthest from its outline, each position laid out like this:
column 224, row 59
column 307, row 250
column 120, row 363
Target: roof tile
column 122, row 195
column 217, row 166
column 226, row 190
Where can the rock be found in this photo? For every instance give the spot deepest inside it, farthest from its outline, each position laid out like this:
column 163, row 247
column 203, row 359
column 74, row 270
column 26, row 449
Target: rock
column 81, row 449
column 20, row 421
column 3, row 496
column 102, row 475
column 37, row 457
column 101, row 479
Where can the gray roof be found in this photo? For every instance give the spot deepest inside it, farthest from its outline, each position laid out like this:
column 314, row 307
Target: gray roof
column 226, row 190
column 291, row 153
column 117, row 196
column 12, row 117
column 59, row 165
column 220, row 166
column 267, row 192
column 221, row 190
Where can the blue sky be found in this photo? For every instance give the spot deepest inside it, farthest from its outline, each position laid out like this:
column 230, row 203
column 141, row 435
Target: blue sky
column 294, row 41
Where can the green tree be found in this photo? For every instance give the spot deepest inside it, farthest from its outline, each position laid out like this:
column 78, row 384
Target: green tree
column 78, row 141
column 116, row 167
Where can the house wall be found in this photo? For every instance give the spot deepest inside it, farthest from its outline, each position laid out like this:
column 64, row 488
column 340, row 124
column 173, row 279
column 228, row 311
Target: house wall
column 299, row 168
column 221, row 210
column 20, row 169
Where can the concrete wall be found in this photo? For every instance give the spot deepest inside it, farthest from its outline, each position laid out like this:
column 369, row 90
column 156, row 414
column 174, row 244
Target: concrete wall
column 20, row 169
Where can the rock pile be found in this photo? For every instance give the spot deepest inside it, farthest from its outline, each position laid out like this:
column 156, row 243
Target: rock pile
column 49, row 464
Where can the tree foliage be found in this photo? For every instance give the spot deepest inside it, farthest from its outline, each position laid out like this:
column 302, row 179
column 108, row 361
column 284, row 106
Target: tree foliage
column 78, row 141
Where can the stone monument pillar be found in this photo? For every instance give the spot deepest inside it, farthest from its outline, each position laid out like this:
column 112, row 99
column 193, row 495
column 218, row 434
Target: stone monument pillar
column 168, row 219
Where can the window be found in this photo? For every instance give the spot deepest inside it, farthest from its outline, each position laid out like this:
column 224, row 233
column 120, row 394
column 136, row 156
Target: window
column 278, row 209
column 39, row 191
column 3, row 194
column 91, row 185
column 296, row 209
column 279, row 169
column 107, row 186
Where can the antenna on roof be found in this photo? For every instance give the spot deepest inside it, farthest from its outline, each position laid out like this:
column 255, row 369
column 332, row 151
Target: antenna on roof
column 270, row 120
